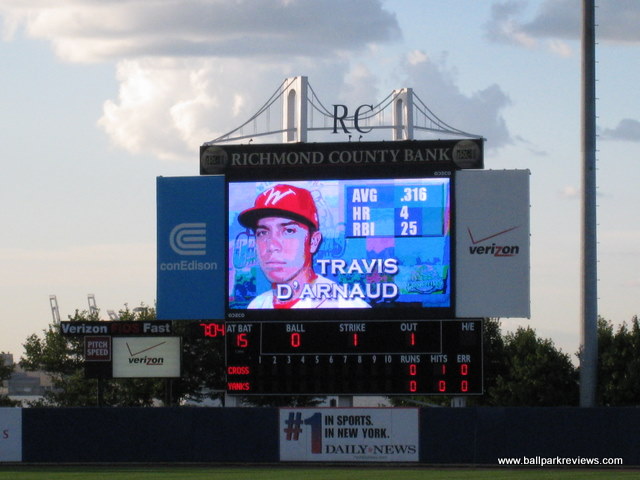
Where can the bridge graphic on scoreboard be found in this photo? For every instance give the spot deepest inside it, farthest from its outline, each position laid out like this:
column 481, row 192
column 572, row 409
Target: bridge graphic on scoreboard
column 294, row 111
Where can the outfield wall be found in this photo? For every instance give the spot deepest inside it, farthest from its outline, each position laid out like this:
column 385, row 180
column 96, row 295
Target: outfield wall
column 150, row 435
column 444, row 435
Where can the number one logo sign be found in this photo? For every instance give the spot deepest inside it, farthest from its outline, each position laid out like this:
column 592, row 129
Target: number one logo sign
column 293, row 429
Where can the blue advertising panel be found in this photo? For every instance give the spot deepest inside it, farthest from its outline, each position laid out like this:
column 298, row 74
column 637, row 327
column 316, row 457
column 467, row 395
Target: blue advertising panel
column 191, row 246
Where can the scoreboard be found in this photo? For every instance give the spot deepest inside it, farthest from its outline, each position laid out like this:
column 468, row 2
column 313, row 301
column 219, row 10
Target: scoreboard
column 380, row 321
column 358, row 290
column 424, row 357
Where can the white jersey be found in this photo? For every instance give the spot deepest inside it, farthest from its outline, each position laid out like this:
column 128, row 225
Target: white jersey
column 265, row 300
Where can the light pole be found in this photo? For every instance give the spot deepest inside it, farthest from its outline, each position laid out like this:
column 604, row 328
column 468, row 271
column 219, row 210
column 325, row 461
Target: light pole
column 589, row 340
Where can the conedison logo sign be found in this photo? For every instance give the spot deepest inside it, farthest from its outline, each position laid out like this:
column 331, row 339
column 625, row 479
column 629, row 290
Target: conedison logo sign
column 494, row 249
column 189, row 239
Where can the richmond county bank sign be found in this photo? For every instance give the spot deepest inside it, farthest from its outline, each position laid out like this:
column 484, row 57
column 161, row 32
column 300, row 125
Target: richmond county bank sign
column 457, row 154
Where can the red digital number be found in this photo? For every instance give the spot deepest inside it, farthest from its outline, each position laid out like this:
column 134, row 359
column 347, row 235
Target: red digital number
column 442, row 386
column 464, row 369
column 464, row 386
column 413, row 386
column 355, row 339
column 241, row 340
column 295, row 340
column 413, row 369
column 213, row 329
column 412, row 339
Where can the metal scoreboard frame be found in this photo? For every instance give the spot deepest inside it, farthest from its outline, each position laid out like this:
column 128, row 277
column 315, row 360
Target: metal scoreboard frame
column 423, row 339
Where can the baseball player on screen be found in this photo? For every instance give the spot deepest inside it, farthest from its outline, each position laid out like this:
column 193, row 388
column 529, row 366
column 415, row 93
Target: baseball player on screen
column 284, row 219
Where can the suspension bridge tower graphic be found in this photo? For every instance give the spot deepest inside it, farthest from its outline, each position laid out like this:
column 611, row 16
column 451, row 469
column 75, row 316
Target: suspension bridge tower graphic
column 295, row 114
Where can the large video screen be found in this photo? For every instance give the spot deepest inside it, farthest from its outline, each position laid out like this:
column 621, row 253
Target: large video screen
column 340, row 249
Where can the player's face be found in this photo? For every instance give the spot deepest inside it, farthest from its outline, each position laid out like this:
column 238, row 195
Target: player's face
column 285, row 248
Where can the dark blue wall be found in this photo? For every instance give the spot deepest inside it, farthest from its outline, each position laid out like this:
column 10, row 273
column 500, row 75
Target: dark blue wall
column 150, row 435
column 447, row 435
column 482, row 435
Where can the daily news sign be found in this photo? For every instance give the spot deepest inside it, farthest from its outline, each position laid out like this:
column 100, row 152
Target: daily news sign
column 353, row 434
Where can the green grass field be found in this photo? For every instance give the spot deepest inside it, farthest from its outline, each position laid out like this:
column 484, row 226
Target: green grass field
column 302, row 473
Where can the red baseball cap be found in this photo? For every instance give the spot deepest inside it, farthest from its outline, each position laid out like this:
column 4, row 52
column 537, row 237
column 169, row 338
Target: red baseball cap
column 282, row 201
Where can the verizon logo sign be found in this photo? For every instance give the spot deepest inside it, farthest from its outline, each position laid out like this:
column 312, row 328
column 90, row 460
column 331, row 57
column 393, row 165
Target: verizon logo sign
column 136, row 358
column 480, row 247
column 146, row 357
column 493, row 243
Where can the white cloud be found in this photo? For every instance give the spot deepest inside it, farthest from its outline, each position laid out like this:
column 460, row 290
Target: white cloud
column 359, row 85
column 479, row 113
column 555, row 19
column 169, row 107
column 560, row 48
column 191, row 71
column 416, row 57
column 503, row 27
column 627, row 130
column 511, row 22
column 89, row 30
column 165, row 107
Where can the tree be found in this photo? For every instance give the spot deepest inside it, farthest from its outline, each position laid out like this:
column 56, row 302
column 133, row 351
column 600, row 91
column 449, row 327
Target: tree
column 60, row 358
column 6, row 370
column 618, row 382
column 535, row 374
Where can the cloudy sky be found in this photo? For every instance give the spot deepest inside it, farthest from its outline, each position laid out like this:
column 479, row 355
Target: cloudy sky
column 99, row 97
